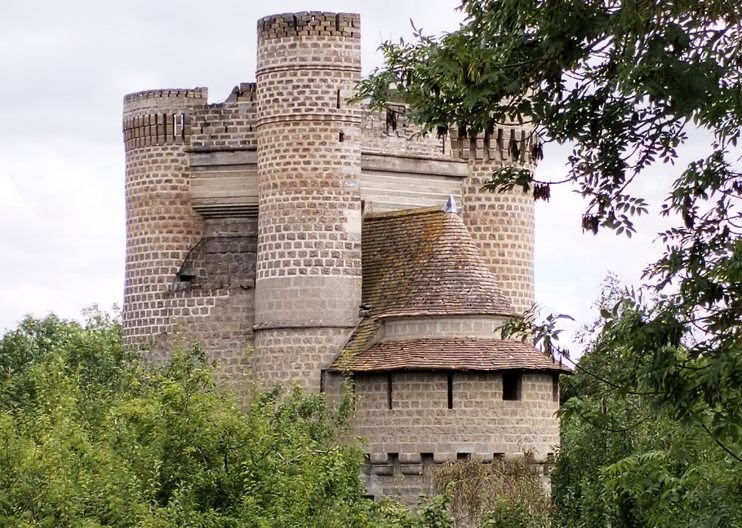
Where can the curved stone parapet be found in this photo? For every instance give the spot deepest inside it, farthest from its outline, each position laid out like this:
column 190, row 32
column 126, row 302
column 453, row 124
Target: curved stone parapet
column 161, row 225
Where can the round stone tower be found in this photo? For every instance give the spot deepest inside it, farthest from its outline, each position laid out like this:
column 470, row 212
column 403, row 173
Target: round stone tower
column 308, row 283
column 501, row 224
column 161, row 225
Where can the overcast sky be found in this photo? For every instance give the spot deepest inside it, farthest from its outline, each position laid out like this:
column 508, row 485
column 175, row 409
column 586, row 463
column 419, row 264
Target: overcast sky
column 65, row 68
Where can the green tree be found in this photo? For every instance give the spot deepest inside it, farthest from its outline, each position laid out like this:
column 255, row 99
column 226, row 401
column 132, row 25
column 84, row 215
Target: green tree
column 89, row 437
column 626, row 462
column 622, row 80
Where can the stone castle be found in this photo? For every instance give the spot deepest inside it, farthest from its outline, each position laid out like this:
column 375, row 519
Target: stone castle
column 334, row 241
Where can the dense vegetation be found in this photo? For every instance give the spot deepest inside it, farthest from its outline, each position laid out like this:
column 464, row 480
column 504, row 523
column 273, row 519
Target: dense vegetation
column 625, row 459
column 89, row 437
column 652, row 425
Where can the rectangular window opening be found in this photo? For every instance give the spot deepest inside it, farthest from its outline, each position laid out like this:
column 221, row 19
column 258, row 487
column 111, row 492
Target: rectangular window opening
column 463, row 456
column 555, row 388
column 338, row 101
column 450, row 390
column 341, row 137
column 322, row 381
column 394, row 461
column 389, row 391
column 427, row 460
column 511, row 381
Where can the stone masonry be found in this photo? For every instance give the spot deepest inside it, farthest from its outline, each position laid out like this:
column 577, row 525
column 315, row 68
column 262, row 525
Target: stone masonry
column 248, row 224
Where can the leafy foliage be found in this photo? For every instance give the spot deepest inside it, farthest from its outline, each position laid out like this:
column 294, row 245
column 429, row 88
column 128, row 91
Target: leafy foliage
column 528, row 326
column 89, row 437
column 622, row 80
column 625, row 459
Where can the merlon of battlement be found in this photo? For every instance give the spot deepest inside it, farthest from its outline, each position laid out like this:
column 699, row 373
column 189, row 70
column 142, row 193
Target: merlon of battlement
column 190, row 93
column 312, row 23
column 504, row 144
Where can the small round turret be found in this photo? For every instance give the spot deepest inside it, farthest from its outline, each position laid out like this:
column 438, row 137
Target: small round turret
column 161, row 226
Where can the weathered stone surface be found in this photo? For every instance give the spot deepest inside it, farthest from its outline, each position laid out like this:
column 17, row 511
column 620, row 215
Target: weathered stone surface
column 244, row 228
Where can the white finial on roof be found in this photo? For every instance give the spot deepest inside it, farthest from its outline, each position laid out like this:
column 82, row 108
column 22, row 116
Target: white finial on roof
column 450, row 206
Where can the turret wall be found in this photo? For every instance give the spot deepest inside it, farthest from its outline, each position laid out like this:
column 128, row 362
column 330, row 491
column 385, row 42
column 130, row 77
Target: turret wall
column 415, row 418
column 502, row 224
column 308, row 280
column 161, row 226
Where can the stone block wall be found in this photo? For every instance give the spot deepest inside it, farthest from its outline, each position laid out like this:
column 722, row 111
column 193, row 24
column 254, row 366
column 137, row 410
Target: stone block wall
column 411, row 425
column 228, row 125
column 309, row 240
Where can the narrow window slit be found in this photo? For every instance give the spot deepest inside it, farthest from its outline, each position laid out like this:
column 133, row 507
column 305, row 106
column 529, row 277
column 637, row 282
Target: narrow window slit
column 450, row 390
column 389, row 389
column 341, row 137
column 555, row 388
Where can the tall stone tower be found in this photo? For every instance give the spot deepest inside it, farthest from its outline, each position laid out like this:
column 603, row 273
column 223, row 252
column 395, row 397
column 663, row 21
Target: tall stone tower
column 161, row 225
column 308, row 280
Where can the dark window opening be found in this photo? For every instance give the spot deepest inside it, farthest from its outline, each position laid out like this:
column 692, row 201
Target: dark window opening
column 555, row 388
column 463, row 456
column 322, row 381
column 391, row 120
column 186, row 277
column 450, row 390
column 498, row 456
column 393, row 460
column 511, row 385
column 341, row 137
column 427, row 460
column 338, row 101
column 389, row 389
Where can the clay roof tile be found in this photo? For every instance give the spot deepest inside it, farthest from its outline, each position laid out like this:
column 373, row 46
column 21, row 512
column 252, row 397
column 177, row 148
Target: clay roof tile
column 424, row 262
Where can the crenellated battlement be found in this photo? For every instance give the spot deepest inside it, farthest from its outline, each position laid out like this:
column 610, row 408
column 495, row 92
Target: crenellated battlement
column 192, row 93
column 309, row 24
column 507, row 144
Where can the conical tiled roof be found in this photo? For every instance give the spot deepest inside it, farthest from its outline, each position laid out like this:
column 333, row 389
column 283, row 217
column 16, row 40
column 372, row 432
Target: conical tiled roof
column 424, row 262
